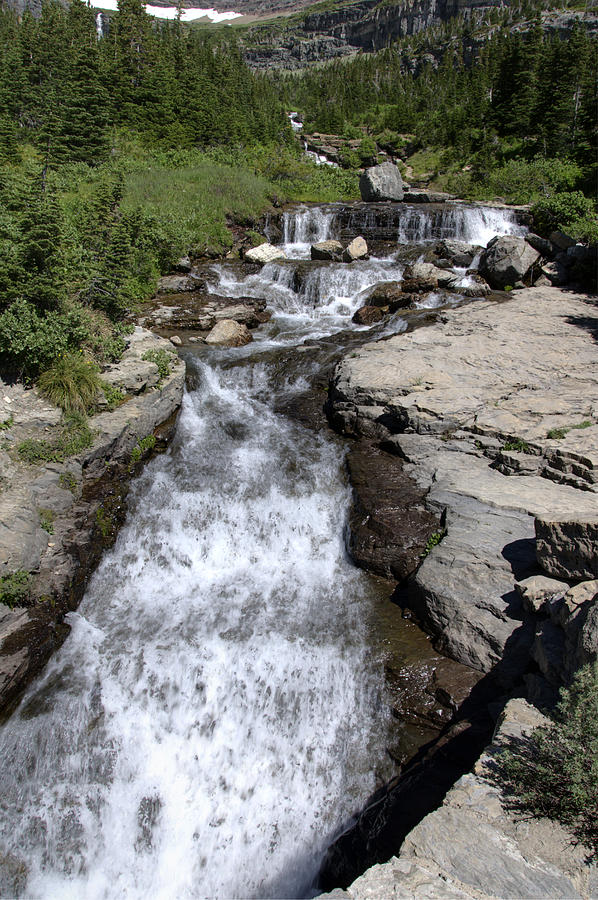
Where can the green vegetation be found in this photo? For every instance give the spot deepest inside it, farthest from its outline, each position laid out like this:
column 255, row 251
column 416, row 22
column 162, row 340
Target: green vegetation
column 7, row 423
column 163, row 359
column 74, row 436
column 113, row 396
column 568, row 211
column 46, row 520
column 554, row 773
column 68, row 481
column 14, row 589
column 72, row 383
column 517, row 444
column 432, row 542
column 145, row 445
column 516, row 122
column 559, row 433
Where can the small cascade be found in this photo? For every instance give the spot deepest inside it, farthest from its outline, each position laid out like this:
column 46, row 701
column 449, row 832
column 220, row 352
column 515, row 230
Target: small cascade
column 100, row 24
column 474, row 225
column 307, row 225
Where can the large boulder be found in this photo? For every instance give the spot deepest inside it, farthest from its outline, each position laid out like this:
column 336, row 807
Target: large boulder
column 229, row 333
column 382, row 182
column 265, row 253
column 327, row 250
column 507, row 260
column 458, row 253
column 568, row 549
column 357, row 249
column 421, row 277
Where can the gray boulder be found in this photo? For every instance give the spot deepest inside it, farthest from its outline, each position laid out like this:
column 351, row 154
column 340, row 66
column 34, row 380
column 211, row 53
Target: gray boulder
column 568, row 549
column 327, row 250
column 507, row 260
column 229, row 333
column 381, row 182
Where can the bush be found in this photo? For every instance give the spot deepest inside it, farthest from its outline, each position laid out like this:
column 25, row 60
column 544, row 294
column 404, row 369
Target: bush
column 554, row 773
column 14, row 589
column 71, row 382
column 569, row 211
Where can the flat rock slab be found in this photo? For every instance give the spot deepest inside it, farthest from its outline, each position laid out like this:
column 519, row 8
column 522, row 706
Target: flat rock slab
column 448, row 398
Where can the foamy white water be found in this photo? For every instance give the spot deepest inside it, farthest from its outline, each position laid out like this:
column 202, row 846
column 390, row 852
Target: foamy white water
column 474, row 224
column 210, row 721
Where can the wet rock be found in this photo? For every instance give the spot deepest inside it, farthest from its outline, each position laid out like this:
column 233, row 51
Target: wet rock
column 382, row 182
column 388, row 293
column 265, row 253
column 327, row 250
column 176, row 284
column 229, row 333
column 423, row 196
column 458, row 253
column 421, row 277
column 244, row 315
column 507, row 260
column 389, row 525
column 175, row 340
column 357, row 249
column 568, row 548
column 367, row 315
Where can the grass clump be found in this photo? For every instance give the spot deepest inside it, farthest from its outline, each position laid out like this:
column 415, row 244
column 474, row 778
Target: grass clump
column 518, row 445
column 554, row 772
column 114, row 397
column 46, row 520
column 557, row 434
column 14, row 589
column 72, row 383
column 7, row 423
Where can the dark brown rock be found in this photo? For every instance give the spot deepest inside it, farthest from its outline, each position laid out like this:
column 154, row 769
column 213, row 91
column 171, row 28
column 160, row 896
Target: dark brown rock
column 368, row 315
column 389, row 525
column 389, row 293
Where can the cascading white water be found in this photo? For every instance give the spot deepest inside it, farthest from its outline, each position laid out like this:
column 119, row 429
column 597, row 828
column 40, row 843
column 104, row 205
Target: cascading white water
column 472, row 224
column 305, row 226
column 211, row 719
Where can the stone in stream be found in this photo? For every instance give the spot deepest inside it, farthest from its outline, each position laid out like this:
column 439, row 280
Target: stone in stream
column 327, row 250
column 357, row 249
column 389, row 293
column 457, row 253
column 229, row 333
column 367, row 315
column 265, row 253
column 421, row 277
column 381, row 182
column 507, row 260
column 176, row 284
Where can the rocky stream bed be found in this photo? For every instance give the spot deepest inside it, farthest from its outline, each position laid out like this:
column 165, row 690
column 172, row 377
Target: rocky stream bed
column 227, row 645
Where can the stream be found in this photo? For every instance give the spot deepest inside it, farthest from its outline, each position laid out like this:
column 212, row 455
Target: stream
column 218, row 711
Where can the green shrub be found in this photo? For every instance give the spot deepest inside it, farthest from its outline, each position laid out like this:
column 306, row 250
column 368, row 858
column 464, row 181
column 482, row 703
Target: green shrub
column 71, row 382
column 162, row 358
column 114, row 397
column 569, row 211
column 75, row 436
column 14, row 589
column 143, row 446
column 554, row 772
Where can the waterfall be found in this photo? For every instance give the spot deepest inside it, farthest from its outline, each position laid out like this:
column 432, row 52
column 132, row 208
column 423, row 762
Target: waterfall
column 472, row 224
column 307, row 225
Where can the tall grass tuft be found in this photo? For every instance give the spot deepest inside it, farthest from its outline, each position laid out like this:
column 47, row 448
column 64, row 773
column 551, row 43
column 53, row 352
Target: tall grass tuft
column 72, row 383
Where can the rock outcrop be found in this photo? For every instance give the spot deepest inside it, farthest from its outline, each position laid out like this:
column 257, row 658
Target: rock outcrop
column 467, row 404
column 381, row 182
column 473, row 848
column 57, row 517
column 229, row 333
